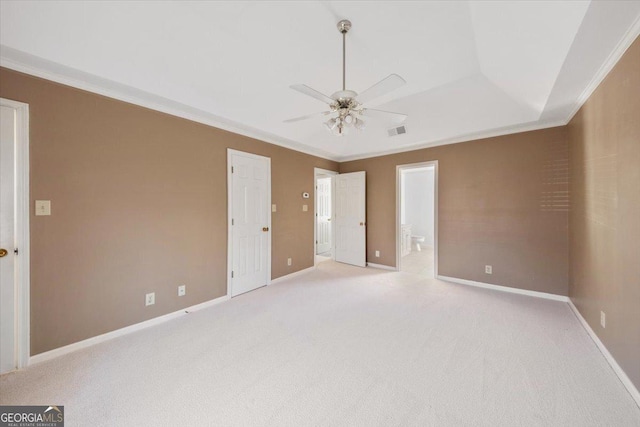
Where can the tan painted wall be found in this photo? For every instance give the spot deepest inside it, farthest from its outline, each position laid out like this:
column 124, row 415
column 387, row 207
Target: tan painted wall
column 138, row 205
column 494, row 208
column 604, row 141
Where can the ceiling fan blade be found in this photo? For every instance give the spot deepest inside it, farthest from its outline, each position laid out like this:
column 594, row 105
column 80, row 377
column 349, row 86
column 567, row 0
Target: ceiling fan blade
column 384, row 86
column 387, row 115
column 308, row 116
column 312, row 93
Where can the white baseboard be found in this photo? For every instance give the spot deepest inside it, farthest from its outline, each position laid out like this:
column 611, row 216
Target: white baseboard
column 381, row 266
column 505, row 288
column 614, row 365
column 51, row 354
column 291, row 275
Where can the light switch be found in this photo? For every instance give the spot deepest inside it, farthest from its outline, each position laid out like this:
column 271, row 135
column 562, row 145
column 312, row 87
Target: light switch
column 43, row 207
column 305, row 208
column 273, row 208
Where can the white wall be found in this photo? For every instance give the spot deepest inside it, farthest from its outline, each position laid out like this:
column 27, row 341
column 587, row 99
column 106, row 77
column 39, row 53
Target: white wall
column 418, row 202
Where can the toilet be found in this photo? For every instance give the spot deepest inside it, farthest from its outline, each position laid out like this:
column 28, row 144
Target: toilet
column 416, row 240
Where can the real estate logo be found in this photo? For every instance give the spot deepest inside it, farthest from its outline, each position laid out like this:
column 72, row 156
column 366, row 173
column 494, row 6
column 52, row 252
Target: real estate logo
column 32, row 416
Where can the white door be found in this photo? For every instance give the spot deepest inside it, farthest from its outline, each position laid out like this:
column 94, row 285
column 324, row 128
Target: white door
column 250, row 202
column 323, row 214
column 350, row 216
column 8, row 359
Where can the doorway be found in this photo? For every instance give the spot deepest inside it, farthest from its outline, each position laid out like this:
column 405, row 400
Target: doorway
column 324, row 208
column 14, row 235
column 417, row 208
column 344, row 221
column 249, row 221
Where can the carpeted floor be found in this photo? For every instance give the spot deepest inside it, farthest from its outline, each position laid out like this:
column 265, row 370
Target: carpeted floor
column 419, row 262
column 343, row 346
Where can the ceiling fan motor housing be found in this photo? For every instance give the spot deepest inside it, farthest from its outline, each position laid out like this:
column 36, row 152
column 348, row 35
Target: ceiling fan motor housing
column 344, row 95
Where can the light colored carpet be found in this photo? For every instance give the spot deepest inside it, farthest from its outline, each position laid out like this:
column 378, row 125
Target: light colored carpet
column 419, row 262
column 343, row 346
column 325, row 256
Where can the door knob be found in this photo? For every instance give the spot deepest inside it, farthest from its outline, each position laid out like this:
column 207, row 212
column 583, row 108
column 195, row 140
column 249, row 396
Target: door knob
column 3, row 252
column 265, row 228
column 328, row 219
column 362, row 223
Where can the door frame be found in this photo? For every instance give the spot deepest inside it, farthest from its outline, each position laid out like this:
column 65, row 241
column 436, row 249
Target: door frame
column 21, row 230
column 399, row 169
column 230, row 153
column 316, row 172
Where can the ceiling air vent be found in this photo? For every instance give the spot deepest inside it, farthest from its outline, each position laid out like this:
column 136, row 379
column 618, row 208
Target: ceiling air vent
column 397, row 131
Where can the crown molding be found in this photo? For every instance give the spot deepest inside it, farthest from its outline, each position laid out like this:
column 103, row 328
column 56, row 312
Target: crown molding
column 35, row 66
column 526, row 127
column 630, row 36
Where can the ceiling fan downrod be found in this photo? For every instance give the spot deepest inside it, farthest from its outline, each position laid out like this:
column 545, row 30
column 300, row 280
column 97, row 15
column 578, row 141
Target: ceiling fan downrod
column 344, row 26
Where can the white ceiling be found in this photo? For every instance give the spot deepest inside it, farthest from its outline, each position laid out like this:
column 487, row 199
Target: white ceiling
column 472, row 68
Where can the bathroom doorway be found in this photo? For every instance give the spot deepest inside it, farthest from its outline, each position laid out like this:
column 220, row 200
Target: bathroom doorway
column 417, row 214
column 324, row 207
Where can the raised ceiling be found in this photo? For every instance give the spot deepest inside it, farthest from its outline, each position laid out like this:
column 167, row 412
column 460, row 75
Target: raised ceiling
column 472, row 68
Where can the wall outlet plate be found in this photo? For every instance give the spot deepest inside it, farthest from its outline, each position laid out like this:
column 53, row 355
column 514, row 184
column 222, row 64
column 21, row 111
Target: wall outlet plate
column 603, row 319
column 182, row 290
column 288, row 261
column 377, row 254
column 150, row 299
column 488, row 269
column 43, row 207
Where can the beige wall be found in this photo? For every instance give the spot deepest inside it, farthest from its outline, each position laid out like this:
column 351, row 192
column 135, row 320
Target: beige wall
column 604, row 141
column 494, row 208
column 138, row 205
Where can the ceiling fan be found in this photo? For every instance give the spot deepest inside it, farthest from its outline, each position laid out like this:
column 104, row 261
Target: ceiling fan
column 346, row 106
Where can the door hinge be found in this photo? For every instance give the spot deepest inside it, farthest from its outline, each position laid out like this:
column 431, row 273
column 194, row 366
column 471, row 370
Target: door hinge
column 15, row 251
column 231, row 169
column 316, row 242
column 232, row 274
column 232, row 221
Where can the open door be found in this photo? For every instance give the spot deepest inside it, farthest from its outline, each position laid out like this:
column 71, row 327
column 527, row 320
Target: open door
column 350, row 217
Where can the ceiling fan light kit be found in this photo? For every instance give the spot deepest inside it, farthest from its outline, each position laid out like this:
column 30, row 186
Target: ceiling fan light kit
column 347, row 105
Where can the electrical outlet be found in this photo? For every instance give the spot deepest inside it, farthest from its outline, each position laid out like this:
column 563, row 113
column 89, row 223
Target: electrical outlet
column 288, row 261
column 43, row 207
column 488, row 269
column 273, row 208
column 150, row 299
column 377, row 254
column 182, row 290
column 305, row 208
column 603, row 319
